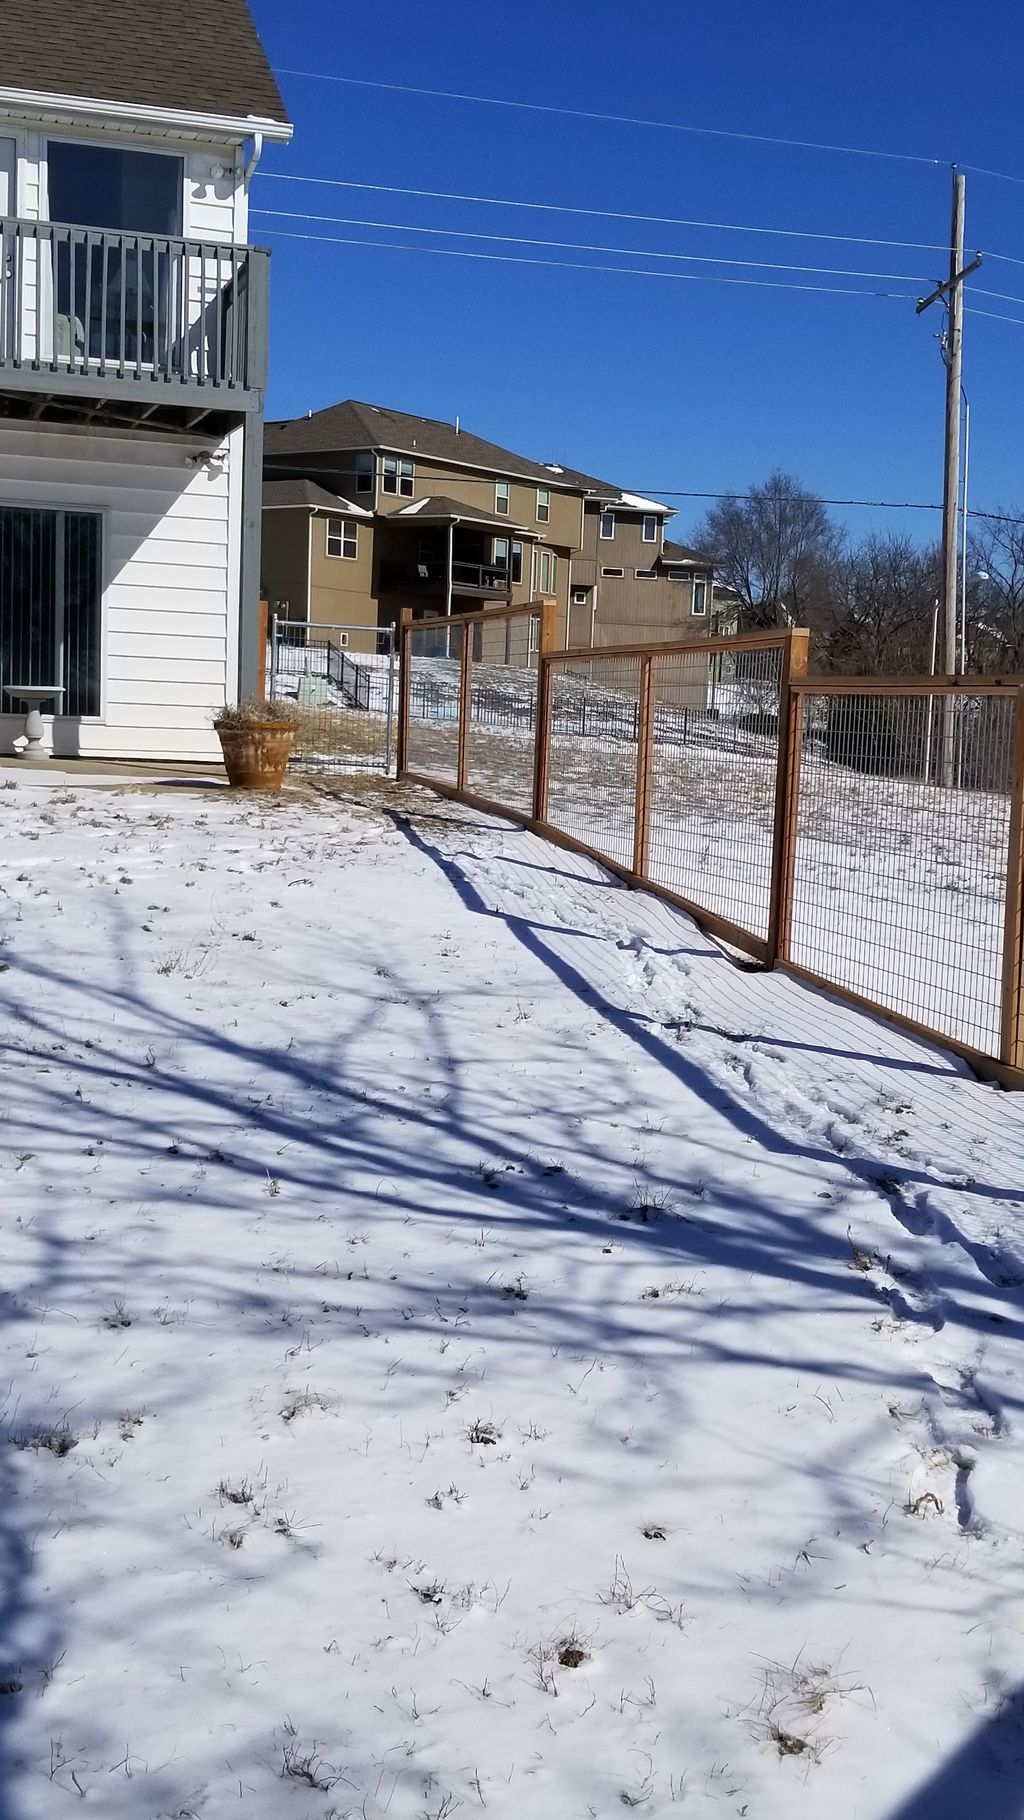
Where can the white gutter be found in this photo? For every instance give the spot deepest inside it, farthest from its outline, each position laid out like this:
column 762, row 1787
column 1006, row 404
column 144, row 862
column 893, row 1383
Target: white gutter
column 32, row 102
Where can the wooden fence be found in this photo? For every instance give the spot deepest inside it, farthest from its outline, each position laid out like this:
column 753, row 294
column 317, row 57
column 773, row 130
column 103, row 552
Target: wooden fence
column 865, row 833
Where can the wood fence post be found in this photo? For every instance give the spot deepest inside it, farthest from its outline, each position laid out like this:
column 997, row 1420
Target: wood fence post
column 404, row 688
column 542, row 723
column 787, row 798
column 465, row 702
column 1011, row 1044
column 644, row 758
column 261, row 659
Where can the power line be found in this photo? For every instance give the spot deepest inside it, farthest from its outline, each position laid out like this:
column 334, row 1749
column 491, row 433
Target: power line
column 630, row 252
column 570, row 265
column 657, row 493
column 557, row 208
column 993, row 316
column 574, row 113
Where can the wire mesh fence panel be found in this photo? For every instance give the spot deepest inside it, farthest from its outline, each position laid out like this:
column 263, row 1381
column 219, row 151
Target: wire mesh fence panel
column 715, row 741
column 592, row 754
column 503, row 709
column 341, row 683
column 434, row 698
column 901, row 851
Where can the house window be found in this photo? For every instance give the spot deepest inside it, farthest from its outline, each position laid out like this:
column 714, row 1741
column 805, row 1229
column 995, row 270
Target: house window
column 501, row 498
column 678, row 575
column 501, row 557
column 543, row 505
column 580, row 596
column 607, row 526
column 699, row 604
column 534, row 636
column 364, row 473
column 650, row 530
column 547, row 571
column 51, row 593
column 613, row 574
column 342, row 538
column 399, row 476
column 645, row 574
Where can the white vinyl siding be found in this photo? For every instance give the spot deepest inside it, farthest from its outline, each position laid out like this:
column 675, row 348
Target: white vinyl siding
column 169, row 621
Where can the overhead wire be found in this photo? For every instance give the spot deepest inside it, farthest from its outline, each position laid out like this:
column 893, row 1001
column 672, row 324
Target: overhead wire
column 631, row 252
column 562, row 208
column 575, row 113
column 559, row 208
column 572, row 265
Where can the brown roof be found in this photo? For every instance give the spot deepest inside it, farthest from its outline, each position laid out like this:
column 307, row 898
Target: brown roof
column 442, row 508
column 203, row 56
column 306, row 493
column 681, row 552
column 352, row 425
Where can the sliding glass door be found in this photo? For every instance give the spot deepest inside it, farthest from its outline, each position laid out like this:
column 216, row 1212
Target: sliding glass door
column 51, row 594
column 114, row 290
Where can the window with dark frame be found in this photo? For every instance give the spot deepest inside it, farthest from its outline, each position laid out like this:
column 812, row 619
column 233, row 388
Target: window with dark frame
column 614, row 574
column 399, row 476
column 645, row 574
column 342, row 538
column 501, row 547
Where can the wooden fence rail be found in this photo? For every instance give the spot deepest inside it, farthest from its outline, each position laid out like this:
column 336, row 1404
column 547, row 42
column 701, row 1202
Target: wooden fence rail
column 810, row 831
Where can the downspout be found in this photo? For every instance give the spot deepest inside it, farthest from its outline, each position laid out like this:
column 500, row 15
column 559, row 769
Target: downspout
column 309, row 569
column 252, row 161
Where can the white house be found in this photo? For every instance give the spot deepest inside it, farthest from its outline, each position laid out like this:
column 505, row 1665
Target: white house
column 133, row 350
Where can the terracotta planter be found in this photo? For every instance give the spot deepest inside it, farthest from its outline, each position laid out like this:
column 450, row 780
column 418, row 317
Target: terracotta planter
column 256, row 757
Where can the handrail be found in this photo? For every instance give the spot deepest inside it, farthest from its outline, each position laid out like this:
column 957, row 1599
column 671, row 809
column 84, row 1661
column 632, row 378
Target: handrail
column 99, row 303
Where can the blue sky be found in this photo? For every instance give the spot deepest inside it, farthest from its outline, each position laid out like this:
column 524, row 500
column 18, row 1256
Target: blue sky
column 657, row 383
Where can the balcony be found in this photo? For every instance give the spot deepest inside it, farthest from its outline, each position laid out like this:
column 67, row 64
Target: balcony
column 156, row 327
column 431, row 578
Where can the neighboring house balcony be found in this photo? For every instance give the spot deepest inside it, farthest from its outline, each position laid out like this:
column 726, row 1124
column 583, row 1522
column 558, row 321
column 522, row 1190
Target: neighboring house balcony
column 438, row 547
column 430, row 578
column 129, row 327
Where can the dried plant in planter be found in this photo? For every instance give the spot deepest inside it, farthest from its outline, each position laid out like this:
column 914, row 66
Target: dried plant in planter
column 256, row 739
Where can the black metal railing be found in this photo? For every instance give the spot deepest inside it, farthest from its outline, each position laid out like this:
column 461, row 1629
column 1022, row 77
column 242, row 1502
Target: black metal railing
column 116, row 306
column 431, row 577
column 300, row 655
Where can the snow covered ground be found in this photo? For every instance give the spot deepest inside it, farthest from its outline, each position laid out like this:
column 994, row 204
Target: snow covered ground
column 471, row 1347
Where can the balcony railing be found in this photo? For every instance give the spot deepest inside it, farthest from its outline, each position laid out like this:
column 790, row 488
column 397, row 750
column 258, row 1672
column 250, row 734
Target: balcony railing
column 431, row 577
column 85, row 304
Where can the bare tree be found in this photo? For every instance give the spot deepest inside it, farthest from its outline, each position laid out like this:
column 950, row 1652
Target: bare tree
column 880, row 619
column 995, row 598
column 777, row 548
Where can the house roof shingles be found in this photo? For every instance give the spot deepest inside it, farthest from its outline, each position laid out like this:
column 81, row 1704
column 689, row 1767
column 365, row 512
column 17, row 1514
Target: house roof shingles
column 352, row 425
column 681, row 553
column 278, row 493
column 203, row 56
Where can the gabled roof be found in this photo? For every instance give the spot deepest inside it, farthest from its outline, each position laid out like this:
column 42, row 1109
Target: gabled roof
column 352, row 425
column 673, row 553
column 440, row 509
column 279, row 493
column 196, row 56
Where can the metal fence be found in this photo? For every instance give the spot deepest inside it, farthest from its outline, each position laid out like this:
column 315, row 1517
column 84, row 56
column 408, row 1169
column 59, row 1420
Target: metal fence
column 342, row 682
column 866, row 833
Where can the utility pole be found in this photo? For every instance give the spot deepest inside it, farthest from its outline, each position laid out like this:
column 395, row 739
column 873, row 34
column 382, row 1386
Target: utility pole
column 952, row 292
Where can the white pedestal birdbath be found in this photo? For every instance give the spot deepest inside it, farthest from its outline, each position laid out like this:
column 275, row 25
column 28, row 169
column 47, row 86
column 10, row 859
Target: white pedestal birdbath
column 33, row 696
